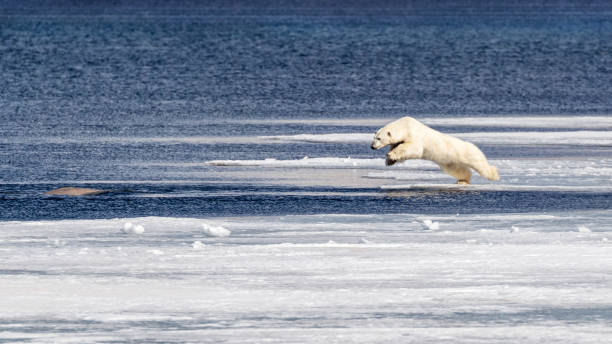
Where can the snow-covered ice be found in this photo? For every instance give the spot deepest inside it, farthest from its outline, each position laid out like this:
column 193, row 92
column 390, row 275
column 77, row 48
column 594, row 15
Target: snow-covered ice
column 310, row 278
column 129, row 228
column 579, row 137
column 531, row 121
column 432, row 225
column 215, row 231
column 197, row 245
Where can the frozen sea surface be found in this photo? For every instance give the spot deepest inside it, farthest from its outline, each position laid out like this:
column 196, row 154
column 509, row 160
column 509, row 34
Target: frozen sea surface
column 494, row 278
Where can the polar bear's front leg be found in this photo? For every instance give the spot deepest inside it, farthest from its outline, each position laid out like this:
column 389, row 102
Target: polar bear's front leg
column 404, row 151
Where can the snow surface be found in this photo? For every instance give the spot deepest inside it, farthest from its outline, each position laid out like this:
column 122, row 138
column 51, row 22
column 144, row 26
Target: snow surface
column 551, row 174
column 215, row 231
column 129, row 228
column 429, row 224
column 582, row 122
column 304, row 162
column 585, row 130
column 579, row 137
column 310, row 278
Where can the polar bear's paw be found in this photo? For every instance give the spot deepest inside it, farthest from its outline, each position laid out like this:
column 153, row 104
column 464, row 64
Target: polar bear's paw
column 394, row 156
column 390, row 161
column 493, row 174
column 463, row 182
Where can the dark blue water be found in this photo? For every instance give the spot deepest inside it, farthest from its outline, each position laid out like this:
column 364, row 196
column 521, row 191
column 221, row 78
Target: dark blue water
column 203, row 200
column 77, row 79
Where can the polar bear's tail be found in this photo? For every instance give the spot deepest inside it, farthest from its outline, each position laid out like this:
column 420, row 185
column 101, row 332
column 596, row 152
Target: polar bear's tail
column 493, row 174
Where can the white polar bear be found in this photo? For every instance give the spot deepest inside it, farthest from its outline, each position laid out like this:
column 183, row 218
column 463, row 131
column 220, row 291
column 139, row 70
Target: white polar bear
column 411, row 139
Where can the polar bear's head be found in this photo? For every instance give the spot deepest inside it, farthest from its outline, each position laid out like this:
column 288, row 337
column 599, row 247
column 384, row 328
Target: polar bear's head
column 391, row 134
column 382, row 138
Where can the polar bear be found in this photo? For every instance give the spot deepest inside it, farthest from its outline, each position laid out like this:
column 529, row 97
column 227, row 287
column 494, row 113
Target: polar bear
column 411, row 139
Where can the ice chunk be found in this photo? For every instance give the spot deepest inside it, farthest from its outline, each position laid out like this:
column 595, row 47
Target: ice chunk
column 583, row 229
column 129, row 228
column 197, row 245
column 515, row 229
column 429, row 224
column 216, row 231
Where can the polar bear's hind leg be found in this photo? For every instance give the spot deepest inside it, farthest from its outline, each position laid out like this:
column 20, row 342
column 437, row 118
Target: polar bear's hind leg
column 459, row 171
column 484, row 169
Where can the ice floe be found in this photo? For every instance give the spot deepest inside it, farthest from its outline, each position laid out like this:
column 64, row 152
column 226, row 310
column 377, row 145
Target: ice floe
column 580, row 137
column 531, row 121
column 129, row 228
column 197, row 245
column 431, row 225
column 286, row 273
column 309, row 162
column 215, row 231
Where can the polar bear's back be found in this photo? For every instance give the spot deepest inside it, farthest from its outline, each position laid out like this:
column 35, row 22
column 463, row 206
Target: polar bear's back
column 446, row 149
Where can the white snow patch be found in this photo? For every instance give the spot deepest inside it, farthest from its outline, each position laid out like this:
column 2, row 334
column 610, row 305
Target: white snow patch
column 579, row 137
column 582, row 122
column 197, row 245
column 310, row 162
column 429, row 224
column 216, row 231
column 497, row 187
column 583, row 229
column 322, row 138
column 129, row 228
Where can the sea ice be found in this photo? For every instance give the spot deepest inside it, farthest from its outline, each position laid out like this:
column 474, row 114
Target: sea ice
column 216, row 231
column 429, row 224
column 454, row 283
column 578, row 137
column 197, row 245
column 129, row 228
column 583, row 229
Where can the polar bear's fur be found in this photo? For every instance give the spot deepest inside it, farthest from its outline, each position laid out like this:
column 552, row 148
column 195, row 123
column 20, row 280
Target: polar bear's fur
column 411, row 139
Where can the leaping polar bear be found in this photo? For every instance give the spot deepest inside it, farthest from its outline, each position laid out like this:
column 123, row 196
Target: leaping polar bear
column 411, row 139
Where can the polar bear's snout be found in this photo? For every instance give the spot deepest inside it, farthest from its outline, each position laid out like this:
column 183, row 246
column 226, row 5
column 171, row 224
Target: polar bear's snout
column 376, row 144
